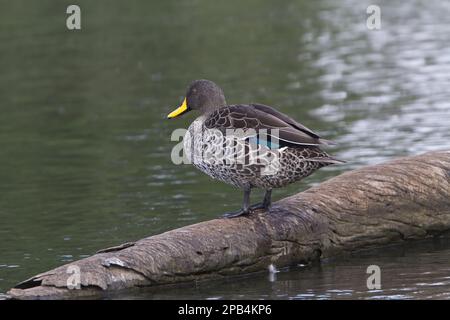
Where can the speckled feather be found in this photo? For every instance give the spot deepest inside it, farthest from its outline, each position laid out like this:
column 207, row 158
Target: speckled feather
column 298, row 152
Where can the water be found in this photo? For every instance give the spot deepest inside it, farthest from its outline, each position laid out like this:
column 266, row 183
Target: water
column 85, row 147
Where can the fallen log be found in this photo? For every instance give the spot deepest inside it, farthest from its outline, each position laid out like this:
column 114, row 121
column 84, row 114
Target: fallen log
column 403, row 199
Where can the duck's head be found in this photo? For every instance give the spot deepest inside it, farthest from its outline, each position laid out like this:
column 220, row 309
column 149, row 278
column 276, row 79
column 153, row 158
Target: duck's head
column 202, row 95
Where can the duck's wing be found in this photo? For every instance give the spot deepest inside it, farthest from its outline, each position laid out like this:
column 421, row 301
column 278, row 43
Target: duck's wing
column 285, row 118
column 290, row 121
column 259, row 117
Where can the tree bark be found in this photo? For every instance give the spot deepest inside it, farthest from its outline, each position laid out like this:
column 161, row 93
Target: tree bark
column 403, row 199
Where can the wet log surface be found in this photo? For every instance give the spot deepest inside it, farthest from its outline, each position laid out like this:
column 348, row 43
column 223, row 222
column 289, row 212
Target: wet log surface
column 401, row 200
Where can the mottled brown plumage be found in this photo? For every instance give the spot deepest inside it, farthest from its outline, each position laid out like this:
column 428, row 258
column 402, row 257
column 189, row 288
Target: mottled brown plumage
column 258, row 116
column 248, row 145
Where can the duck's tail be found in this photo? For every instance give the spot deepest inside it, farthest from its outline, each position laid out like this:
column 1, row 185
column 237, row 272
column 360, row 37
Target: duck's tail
column 327, row 160
column 326, row 142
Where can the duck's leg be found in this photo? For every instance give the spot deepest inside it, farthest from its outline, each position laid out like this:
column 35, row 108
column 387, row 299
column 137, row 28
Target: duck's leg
column 245, row 207
column 266, row 202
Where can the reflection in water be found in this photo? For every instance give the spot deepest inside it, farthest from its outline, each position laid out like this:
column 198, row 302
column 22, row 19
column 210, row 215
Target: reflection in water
column 387, row 88
column 85, row 148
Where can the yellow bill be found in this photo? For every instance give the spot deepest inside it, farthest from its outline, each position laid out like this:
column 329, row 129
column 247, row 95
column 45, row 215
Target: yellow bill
column 179, row 111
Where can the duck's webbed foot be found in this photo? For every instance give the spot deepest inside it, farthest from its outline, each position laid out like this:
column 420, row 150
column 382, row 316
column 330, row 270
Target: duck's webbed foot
column 245, row 207
column 234, row 214
column 259, row 206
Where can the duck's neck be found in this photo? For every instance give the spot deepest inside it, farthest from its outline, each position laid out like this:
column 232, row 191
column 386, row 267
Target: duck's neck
column 210, row 110
column 213, row 104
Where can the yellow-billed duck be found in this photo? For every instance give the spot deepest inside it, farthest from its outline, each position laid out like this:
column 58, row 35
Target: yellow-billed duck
column 248, row 145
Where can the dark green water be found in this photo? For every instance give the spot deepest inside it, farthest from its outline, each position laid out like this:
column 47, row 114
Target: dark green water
column 85, row 147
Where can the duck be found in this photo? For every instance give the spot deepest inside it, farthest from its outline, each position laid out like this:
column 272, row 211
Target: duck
column 248, row 145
